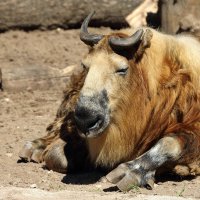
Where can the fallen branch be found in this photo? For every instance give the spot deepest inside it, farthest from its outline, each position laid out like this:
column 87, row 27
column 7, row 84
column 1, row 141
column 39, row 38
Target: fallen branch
column 138, row 17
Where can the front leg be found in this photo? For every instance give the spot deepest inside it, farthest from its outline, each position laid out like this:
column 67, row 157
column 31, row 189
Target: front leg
column 141, row 171
column 33, row 150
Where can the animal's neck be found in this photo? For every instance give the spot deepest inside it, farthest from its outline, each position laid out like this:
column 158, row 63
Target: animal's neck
column 118, row 141
column 150, row 107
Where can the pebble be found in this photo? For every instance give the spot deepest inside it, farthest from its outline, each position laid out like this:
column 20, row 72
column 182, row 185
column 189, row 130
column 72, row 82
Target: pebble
column 33, row 186
column 50, row 172
column 7, row 99
column 98, row 186
column 9, row 154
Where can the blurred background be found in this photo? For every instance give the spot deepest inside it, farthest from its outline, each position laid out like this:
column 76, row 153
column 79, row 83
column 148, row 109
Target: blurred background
column 170, row 15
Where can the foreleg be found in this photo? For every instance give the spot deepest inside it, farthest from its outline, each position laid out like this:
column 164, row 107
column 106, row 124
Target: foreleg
column 170, row 151
column 33, row 150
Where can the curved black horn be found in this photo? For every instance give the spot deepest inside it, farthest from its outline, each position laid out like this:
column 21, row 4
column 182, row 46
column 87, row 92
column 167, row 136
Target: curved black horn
column 123, row 43
column 89, row 39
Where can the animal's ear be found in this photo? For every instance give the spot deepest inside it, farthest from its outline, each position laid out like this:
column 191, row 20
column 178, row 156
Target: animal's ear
column 145, row 43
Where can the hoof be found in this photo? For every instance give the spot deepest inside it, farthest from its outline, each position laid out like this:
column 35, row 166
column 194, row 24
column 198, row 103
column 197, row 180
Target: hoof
column 31, row 152
column 126, row 177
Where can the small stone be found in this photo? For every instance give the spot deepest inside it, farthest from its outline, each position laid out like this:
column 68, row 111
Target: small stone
column 33, row 186
column 155, row 185
column 7, row 99
column 103, row 180
column 98, row 186
column 50, row 172
column 29, row 89
column 9, row 154
column 58, row 30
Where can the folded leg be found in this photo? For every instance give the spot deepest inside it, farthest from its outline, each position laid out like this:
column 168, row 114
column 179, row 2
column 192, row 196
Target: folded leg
column 171, row 150
column 58, row 132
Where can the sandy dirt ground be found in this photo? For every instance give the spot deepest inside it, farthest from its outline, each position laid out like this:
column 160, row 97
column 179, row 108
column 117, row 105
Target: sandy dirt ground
column 25, row 114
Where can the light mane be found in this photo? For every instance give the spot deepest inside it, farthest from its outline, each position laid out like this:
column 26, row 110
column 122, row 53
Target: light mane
column 164, row 79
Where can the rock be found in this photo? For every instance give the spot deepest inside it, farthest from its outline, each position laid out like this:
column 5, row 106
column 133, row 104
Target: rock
column 6, row 99
column 33, row 186
column 178, row 16
column 9, row 155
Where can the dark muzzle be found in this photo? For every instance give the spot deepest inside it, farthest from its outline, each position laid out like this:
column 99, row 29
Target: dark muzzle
column 91, row 114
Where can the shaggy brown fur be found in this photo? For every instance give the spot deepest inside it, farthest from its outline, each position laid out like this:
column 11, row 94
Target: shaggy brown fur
column 161, row 96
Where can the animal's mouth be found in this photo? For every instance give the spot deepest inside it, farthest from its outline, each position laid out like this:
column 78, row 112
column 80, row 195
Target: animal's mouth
column 92, row 115
column 96, row 129
column 96, row 125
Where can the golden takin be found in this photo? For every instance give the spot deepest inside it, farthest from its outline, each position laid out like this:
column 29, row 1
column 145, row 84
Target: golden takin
column 133, row 110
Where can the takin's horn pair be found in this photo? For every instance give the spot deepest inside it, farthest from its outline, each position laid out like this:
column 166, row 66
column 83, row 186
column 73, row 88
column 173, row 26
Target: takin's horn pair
column 115, row 42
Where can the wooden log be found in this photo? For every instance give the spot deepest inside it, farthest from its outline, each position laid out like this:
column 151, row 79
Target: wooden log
column 35, row 77
column 1, row 81
column 180, row 15
column 138, row 17
column 30, row 14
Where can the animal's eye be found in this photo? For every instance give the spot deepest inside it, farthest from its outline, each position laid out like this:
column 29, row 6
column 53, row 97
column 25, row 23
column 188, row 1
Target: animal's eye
column 122, row 71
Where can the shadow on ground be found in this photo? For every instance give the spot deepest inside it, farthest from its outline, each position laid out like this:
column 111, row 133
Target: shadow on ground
column 83, row 178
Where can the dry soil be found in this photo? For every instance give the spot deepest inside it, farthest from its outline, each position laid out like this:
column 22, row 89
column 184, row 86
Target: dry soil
column 25, row 114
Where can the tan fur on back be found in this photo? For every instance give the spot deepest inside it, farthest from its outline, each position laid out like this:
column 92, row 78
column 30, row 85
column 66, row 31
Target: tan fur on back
column 165, row 99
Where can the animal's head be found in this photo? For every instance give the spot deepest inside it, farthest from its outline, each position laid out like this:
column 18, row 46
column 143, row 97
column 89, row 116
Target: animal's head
column 110, row 76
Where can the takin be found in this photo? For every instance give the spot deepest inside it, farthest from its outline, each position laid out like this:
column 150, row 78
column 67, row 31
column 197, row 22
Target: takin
column 133, row 110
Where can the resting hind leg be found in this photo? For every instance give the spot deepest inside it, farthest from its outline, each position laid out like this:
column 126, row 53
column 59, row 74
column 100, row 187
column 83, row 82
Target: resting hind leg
column 33, row 150
column 189, row 169
column 61, row 127
column 54, row 156
column 67, row 156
